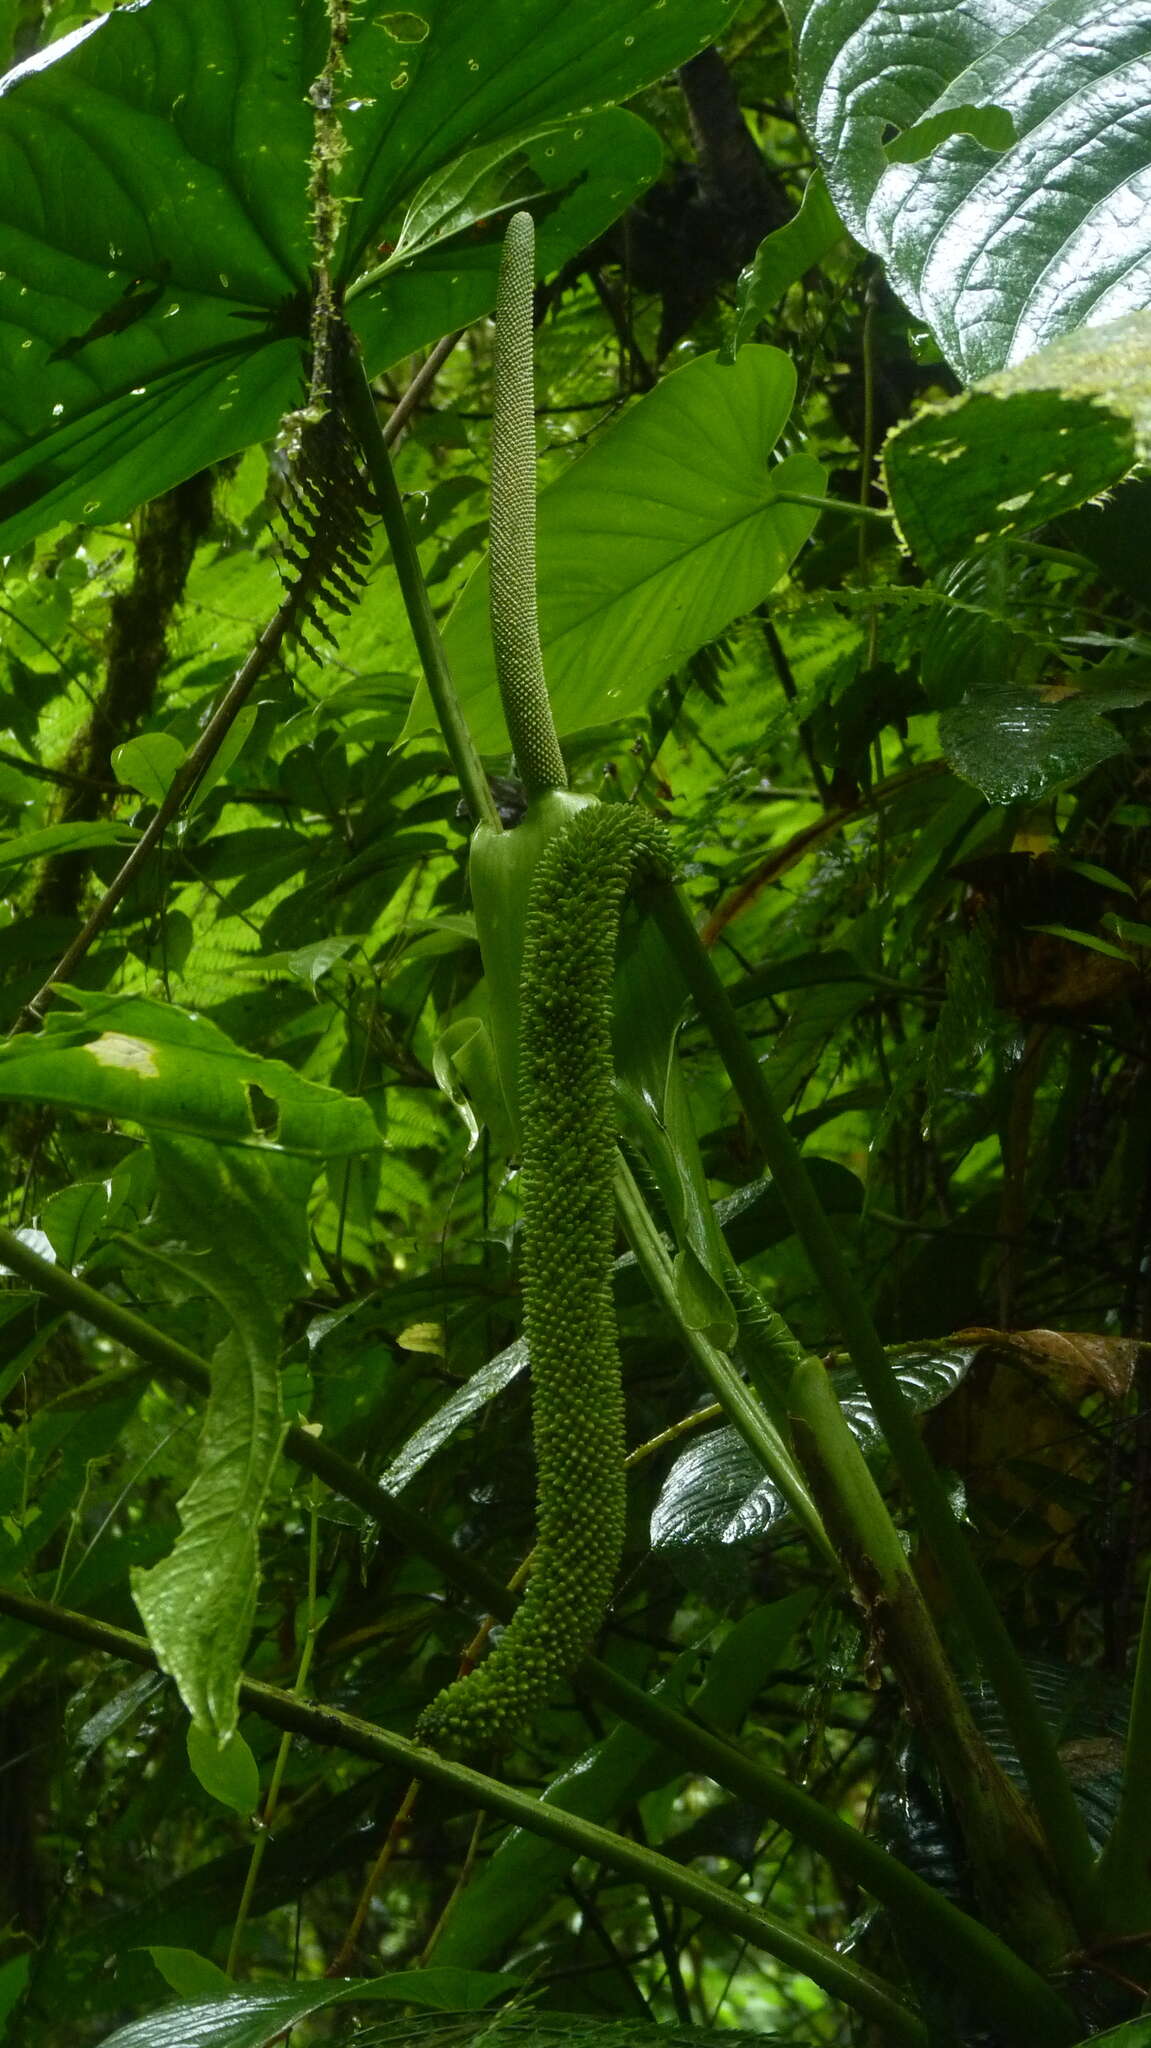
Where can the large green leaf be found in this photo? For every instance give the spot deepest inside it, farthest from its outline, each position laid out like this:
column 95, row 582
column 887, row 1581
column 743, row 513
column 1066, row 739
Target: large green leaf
column 1025, row 445
column 154, row 201
column 998, row 250
column 251, row 2019
column 149, row 1063
column 667, row 530
column 237, row 1141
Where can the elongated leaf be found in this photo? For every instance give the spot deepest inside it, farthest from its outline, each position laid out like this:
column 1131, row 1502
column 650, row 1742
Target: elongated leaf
column 577, row 178
column 232, row 1225
column 30, row 846
column 150, row 1063
column 781, row 260
column 1025, row 445
column 667, row 529
column 482, row 1387
column 154, row 200
column 998, row 251
column 251, row 2019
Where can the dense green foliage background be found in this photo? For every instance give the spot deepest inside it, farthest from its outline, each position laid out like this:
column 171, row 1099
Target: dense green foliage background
column 905, row 773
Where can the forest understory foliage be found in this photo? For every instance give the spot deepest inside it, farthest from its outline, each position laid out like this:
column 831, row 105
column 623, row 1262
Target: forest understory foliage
column 575, row 907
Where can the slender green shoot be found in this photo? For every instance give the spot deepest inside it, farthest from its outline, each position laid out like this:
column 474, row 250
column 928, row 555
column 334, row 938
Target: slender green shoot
column 364, row 420
column 1050, row 1788
column 1123, row 1878
column 740, row 1403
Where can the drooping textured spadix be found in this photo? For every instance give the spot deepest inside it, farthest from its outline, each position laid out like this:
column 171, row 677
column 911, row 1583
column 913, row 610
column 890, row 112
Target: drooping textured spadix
column 566, row 1179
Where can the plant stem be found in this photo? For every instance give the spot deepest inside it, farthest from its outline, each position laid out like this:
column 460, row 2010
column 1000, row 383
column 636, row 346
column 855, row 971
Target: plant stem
column 956, row 1941
column 1013, row 1879
column 330, row 1729
column 361, row 409
column 1034, row 1740
column 183, row 783
column 870, row 513
column 1123, row 1877
column 264, row 1825
column 739, row 1403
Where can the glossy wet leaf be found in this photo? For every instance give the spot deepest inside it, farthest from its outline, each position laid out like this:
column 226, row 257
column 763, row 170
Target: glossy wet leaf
column 649, row 545
column 1026, row 445
column 252, row 2019
column 716, row 1498
column 1015, row 747
column 998, row 250
column 482, row 1387
column 154, row 180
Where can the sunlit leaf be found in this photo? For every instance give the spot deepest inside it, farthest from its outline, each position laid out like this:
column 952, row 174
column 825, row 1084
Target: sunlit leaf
column 1025, row 445
column 998, row 249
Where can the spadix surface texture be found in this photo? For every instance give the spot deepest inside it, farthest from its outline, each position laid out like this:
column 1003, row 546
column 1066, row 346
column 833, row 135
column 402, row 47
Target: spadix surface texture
column 999, row 251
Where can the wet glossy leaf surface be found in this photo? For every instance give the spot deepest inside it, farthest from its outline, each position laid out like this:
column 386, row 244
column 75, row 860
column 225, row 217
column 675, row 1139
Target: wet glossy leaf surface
column 998, row 251
column 1015, row 747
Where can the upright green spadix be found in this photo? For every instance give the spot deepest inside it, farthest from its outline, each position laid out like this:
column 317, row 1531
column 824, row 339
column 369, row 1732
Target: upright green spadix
column 512, row 543
column 502, row 864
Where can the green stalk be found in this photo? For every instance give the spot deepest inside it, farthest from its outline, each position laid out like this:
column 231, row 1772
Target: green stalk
column 271, row 1803
column 989, row 1969
column 1034, row 1740
column 1123, row 1876
column 329, row 1728
column 360, row 406
column 1013, row 1879
column 871, row 515
column 512, row 541
column 739, row 1402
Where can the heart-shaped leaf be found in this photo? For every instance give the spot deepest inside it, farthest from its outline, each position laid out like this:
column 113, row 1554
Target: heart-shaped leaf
column 154, row 202
column 998, row 250
column 670, row 527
